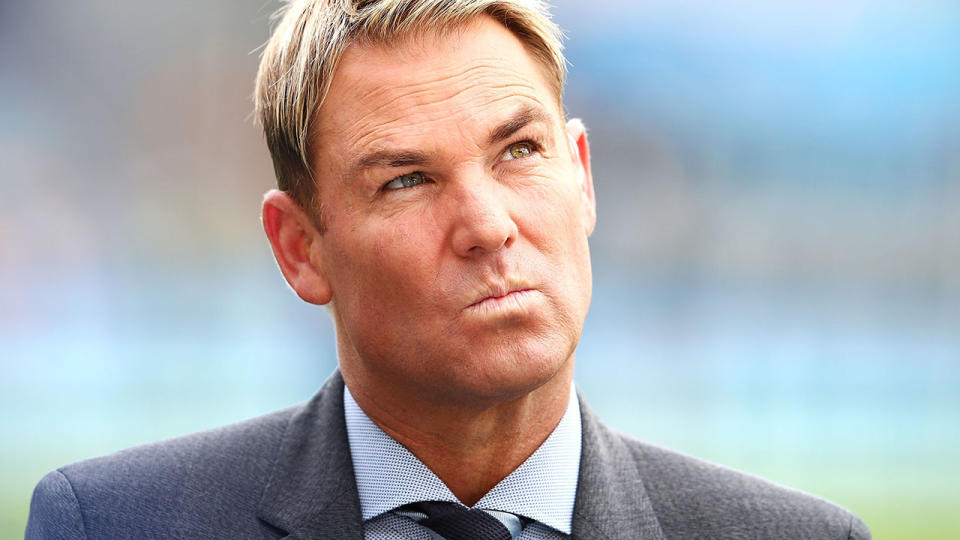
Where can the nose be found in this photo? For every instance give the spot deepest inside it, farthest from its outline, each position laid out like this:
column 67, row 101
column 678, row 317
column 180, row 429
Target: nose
column 482, row 221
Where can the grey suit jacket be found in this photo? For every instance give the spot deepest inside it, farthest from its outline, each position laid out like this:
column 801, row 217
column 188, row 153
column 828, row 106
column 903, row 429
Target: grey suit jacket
column 289, row 475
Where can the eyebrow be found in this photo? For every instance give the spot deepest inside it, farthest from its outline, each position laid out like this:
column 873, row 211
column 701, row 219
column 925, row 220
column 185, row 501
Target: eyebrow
column 520, row 119
column 391, row 158
column 414, row 158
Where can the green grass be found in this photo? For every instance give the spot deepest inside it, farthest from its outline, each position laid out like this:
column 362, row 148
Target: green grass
column 13, row 514
column 928, row 520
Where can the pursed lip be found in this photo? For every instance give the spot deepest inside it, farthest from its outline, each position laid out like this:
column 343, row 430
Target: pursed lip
column 498, row 291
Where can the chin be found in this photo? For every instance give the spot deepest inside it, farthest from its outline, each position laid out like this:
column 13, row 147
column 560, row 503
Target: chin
column 510, row 370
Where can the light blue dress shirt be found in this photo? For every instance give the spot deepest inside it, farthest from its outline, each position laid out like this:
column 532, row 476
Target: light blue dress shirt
column 543, row 488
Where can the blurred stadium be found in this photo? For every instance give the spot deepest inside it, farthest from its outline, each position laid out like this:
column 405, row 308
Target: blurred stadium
column 777, row 258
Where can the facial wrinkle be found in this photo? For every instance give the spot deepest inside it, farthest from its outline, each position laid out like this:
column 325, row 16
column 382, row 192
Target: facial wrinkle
column 402, row 117
column 473, row 77
column 400, row 128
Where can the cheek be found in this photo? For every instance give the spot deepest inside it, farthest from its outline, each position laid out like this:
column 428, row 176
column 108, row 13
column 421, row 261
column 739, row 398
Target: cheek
column 554, row 219
column 386, row 267
column 554, row 223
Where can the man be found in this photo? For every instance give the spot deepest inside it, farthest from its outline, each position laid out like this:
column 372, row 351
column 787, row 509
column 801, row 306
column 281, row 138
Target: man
column 432, row 195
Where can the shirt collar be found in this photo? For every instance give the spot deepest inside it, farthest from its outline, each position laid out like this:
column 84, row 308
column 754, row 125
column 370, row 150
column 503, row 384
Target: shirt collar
column 542, row 488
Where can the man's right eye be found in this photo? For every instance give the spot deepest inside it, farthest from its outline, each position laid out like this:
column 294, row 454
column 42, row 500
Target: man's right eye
column 405, row 181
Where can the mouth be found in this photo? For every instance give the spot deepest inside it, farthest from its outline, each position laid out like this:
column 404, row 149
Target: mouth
column 504, row 301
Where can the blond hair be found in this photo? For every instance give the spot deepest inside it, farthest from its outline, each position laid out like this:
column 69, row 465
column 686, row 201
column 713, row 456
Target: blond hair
column 302, row 54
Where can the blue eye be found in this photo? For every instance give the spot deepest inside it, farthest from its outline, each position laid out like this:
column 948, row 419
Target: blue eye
column 405, row 181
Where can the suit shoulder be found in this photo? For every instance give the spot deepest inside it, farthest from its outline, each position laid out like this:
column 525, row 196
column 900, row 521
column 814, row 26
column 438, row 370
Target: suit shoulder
column 694, row 498
column 54, row 510
column 189, row 481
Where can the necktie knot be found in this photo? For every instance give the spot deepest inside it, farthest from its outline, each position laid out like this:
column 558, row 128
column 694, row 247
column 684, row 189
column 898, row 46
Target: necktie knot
column 456, row 522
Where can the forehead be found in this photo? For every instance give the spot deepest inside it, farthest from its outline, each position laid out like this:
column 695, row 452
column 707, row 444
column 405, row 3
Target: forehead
column 391, row 94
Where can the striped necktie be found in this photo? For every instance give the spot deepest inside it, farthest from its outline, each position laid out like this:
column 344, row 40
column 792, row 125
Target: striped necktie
column 453, row 521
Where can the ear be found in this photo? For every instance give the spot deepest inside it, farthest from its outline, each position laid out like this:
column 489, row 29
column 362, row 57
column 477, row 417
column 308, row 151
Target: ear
column 580, row 155
column 296, row 246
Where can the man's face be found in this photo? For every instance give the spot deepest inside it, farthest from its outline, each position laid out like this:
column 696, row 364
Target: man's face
column 457, row 215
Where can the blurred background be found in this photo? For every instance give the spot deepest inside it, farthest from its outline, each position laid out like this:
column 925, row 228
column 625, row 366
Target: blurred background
column 777, row 258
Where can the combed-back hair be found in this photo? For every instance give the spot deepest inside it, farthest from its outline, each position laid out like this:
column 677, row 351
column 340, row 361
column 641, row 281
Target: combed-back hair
column 300, row 58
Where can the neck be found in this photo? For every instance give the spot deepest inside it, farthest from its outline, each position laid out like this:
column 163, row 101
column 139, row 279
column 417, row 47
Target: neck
column 470, row 446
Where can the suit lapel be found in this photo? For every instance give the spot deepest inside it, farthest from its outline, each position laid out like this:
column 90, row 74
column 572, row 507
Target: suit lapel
column 612, row 502
column 312, row 491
